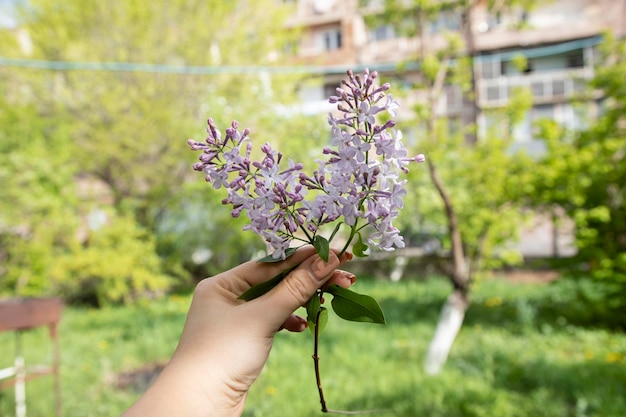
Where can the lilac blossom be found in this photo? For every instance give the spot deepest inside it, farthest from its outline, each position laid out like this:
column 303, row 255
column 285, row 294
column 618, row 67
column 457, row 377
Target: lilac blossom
column 358, row 183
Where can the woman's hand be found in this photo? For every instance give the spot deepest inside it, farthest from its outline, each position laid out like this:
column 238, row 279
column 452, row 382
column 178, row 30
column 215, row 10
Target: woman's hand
column 226, row 341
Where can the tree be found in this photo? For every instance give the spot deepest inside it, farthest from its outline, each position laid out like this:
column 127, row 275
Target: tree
column 584, row 174
column 37, row 194
column 476, row 184
column 131, row 119
column 119, row 96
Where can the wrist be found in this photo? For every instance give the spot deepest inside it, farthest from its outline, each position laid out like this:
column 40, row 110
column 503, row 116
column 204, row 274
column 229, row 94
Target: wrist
column 181, row 390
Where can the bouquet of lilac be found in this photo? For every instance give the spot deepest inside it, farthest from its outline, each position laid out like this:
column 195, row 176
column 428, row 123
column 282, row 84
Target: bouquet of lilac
column 357, row 186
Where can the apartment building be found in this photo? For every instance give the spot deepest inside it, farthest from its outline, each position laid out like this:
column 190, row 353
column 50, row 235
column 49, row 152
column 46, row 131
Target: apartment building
column 558, row 41
column 551, row 50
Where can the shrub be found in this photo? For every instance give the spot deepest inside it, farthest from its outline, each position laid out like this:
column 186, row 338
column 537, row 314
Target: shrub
column 118, row 263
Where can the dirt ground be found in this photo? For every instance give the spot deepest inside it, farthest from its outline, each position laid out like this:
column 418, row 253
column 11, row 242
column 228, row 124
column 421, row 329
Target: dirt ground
column 139, row 379
column 531, row 276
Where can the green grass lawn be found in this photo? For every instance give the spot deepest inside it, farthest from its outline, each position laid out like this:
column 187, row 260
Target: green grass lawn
column 520, row 353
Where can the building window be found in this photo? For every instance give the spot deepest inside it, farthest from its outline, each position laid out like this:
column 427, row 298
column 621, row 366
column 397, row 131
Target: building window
column 495, row 20
column 330, row 89
column 576, row 59
column 445, row 21
column 490, row 69
column 493, row 93
column 382, row 33
column 514, row 68
column 538, row 89
column 453, row 99
column 331, row 39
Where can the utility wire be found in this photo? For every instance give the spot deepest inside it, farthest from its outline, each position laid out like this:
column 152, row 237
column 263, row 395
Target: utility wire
column 278, row 69
column 182, row 69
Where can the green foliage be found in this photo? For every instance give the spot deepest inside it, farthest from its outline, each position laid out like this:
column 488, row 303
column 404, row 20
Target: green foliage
column 322, row 247
column 312, row 309
column 38, row 212
column 584, row 172
column 114, row 139
column 118, row 263
column 196, row 231
column 520, row 62
column 352, row 306
column 506, row 118
column 130, row 119
column 487, row 183
column 482, row 183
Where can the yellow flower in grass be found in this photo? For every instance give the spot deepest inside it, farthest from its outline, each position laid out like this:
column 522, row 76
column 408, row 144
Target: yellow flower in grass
column 178, row 299
column 493, row 302
column 271, row 390
column 614, row 357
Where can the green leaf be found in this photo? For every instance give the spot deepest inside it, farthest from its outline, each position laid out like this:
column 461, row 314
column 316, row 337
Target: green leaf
column 270, row 258
column 322, row 321
column 322, row 247
column 352, row 306
column 260, row 289
column 332, row 235
column 359, row 248
column 312, row 308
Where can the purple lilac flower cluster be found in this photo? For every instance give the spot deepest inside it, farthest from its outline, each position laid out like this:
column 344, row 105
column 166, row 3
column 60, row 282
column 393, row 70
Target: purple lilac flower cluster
column 358, row 184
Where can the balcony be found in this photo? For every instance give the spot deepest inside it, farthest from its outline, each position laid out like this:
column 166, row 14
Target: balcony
column 546, row 87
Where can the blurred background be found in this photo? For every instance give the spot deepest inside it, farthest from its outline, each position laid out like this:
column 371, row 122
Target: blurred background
column 516, row 224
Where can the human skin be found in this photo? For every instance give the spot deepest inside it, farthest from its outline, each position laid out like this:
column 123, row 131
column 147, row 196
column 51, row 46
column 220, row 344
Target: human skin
column 226, row 341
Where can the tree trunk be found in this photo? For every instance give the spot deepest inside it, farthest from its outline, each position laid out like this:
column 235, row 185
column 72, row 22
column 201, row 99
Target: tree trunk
column 459, row 273
column 470, row 44
column 450, row 322
column 453, row 311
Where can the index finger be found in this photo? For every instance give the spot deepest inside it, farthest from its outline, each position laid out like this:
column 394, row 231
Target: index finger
column 255, row 272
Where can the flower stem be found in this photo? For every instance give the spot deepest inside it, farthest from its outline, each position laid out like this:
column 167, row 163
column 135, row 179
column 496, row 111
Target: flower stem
column 318, row 377
column 353, row 230
column 316, row 357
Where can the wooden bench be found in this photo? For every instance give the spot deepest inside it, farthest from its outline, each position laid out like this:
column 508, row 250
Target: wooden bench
column 21, row 314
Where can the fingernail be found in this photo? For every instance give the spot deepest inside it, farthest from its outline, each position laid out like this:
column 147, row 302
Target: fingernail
column 321, row 269
column 346, row 256
column 344, row 279
column 350, row 276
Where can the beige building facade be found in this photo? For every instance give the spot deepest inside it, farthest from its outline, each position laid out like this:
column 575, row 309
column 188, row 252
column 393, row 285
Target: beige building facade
column 558, row 40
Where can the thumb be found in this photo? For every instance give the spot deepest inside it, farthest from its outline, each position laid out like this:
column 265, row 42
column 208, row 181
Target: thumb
column 298, row 287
